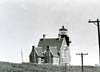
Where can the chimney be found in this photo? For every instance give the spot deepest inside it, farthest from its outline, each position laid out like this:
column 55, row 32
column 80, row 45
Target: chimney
column 47, row 47
column 33, row 47
column 44, row 36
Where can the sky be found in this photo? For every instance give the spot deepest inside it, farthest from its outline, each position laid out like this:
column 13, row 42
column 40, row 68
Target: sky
column 23, row 22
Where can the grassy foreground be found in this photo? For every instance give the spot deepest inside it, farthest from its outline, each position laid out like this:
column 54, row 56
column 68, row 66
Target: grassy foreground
column 29, row 67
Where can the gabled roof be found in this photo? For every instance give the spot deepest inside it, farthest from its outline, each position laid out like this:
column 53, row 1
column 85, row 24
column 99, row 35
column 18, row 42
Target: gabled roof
column 50, row 42
column 54, row 51
column 38, row 51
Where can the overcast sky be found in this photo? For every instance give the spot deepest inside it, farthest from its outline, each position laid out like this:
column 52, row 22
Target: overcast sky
column 22, row 23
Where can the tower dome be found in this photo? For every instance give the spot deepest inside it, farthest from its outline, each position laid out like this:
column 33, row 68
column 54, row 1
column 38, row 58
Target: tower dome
column 63, row 31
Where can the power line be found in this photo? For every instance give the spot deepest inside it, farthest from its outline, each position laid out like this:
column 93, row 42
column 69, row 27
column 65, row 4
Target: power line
column 97, row 24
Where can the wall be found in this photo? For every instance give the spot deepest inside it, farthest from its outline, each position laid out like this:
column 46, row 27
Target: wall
column 39, row 60
column 55, row 61
column 64, row 53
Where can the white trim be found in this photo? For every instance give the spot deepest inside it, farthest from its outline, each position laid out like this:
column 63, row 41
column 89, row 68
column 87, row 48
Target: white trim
column 36, row 50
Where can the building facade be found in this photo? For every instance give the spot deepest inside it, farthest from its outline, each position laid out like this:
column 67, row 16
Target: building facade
column 54, row 51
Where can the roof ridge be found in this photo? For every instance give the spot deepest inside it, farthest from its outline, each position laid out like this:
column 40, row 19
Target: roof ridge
column 49, row 38
column 51, row 42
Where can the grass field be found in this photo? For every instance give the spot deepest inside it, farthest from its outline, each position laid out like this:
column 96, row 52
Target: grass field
column 29, row 67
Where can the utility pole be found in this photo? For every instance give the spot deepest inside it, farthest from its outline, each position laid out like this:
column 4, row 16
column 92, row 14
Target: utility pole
column 65, row 67
column 82, row 54
column 97, row 24
column 22, row 55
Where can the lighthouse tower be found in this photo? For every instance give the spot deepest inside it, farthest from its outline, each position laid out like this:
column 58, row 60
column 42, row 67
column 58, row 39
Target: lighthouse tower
column 64, row 51
column 63, row 34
